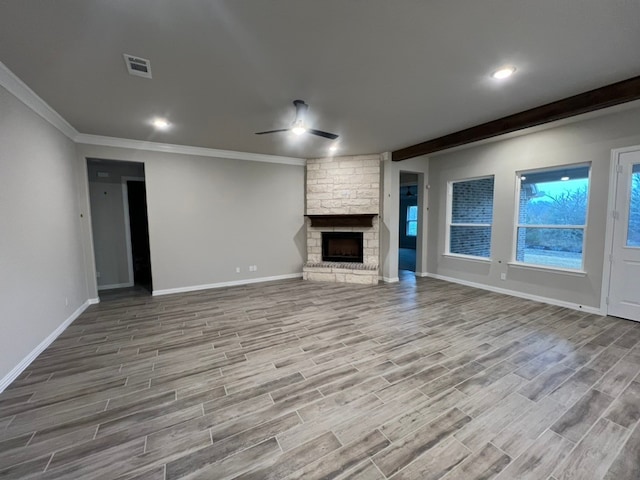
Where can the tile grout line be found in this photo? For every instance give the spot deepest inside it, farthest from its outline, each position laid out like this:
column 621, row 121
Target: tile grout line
column 449, row 475
column 48, row 463
column 629, row 431
column 501, row 450
column 380, row 356
column 30, row 439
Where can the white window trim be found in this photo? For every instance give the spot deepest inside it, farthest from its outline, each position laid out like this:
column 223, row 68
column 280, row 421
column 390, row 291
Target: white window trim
column 534, row 266
column 517, row 224
column 449, row 224
column 472, row 258
column 470, row 224
column 559, row 227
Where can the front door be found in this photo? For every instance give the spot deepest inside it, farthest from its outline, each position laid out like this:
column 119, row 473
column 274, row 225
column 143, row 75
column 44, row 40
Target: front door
column 624, row 284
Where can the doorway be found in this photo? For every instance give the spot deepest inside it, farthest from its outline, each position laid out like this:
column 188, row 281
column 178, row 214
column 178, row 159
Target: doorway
column 139, row 233
column 408, row 225
column 622, row 298
column 120, row 227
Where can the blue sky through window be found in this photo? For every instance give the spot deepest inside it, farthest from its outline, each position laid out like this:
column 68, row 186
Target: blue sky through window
column 547, row 190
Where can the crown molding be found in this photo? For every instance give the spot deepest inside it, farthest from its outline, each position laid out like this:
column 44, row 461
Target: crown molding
column 20, row 90
column 184, row 149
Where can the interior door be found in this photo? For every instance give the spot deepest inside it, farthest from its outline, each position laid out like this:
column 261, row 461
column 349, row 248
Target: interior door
column 624, row 284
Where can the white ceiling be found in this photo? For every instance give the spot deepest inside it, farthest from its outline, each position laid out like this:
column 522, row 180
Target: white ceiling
column 384, row 74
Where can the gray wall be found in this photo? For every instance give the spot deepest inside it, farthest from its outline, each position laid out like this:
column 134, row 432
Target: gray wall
column 109, row 239
column 584, row 141
column 208, row 216
column 116, row 170
column 41, row 258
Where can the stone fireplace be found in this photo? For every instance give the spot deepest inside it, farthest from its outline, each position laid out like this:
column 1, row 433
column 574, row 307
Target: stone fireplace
column 342, row 203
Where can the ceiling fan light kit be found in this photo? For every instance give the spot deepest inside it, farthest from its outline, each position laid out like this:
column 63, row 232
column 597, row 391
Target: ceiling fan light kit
column 299, row 127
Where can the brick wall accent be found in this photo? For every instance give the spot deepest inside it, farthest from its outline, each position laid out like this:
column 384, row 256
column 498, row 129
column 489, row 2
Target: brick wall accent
column 340, row 186
column 472, row 202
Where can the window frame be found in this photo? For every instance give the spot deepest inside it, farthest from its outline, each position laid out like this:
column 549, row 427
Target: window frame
column 517, row 225
column 407, row 222
column 628, row 207
column 449, row 224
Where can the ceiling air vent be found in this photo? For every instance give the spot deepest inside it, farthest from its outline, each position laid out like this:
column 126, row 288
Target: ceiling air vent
column 138, row 66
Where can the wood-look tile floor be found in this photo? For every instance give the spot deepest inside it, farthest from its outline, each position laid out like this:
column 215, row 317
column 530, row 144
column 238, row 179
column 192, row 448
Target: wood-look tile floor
column 416, row 380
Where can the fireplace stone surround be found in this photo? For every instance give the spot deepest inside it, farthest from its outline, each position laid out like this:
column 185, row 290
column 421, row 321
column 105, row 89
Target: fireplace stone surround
column 343, row 195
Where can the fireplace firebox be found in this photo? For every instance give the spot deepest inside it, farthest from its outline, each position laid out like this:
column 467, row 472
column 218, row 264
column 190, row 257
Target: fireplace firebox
column 342, row 247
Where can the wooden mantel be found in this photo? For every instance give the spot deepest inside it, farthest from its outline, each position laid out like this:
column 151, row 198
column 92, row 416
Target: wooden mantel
column 363, row 220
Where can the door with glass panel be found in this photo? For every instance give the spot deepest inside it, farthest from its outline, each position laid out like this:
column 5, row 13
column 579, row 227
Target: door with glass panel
column 624, row 283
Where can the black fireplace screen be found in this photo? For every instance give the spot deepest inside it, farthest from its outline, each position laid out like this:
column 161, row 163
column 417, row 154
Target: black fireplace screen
column 342, row 247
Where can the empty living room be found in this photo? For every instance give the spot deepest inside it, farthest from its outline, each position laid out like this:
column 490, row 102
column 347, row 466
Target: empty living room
column 298, row 239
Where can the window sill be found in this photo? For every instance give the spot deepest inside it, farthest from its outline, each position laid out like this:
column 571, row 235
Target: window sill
column 544, row 268
column 467, row 257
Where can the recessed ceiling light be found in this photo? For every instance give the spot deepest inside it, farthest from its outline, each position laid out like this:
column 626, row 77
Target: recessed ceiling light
column 298, row 130
column 160, row 123
column 333, row 148
column 503, row 72
column 564, row 179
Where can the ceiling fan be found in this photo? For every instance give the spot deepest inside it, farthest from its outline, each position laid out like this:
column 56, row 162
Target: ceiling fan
column 299, row 126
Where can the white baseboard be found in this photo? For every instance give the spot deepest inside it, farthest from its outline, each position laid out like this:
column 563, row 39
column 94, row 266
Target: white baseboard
column 390, row 280
column 115, row 285
column 233, row 283
column 26, row 361
column 421, row 274
column 93, row 301
column 514, row 293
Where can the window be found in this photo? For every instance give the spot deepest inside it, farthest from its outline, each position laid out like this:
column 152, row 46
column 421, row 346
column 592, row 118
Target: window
column 552, row 217
column 470, row 215
column 633, row 230
column 412, row 221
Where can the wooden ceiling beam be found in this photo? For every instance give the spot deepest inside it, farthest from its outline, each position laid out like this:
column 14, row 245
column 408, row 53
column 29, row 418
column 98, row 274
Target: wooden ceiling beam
column 603, row 97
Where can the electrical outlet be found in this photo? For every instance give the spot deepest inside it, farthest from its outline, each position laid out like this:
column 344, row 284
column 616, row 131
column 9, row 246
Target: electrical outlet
column 237, row 269
column 66, row 301
column 503, row 276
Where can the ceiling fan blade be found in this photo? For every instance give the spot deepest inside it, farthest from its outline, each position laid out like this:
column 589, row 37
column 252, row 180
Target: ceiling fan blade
column 273, row 131
column 298, row 126
column 320, row 133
